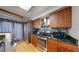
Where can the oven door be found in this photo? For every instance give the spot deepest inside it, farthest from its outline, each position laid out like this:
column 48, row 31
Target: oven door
column 42, row 43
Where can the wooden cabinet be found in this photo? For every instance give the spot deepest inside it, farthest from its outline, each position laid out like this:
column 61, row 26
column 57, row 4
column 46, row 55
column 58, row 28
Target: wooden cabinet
column 61, row 21
column 68, row 47
column 58, row 46
column 67, row 17
column 52, row 46
column 33, row 39
column 53, row 20
column 36, row 23
column 61, row 18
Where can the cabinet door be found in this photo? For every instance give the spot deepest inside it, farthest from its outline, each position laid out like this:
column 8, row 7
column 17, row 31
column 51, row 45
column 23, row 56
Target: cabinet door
column 61, row 49
column 37, row 23
column 64, row 47
column 67, row 17
column 64, row 17
column 53, row 20
column 52, row 48
column 52, row 45
column 59, row 46
column 33, row 39
column 60, row 20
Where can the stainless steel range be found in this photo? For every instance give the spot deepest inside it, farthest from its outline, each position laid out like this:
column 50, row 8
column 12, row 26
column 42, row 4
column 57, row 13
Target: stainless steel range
column 42, row 43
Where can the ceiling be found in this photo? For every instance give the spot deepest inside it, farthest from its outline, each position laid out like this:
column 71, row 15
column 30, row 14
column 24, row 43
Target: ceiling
column 16, row 10
column 42, row 11
column 33, row 13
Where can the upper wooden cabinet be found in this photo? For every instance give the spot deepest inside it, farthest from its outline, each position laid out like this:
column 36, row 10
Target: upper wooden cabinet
column 36, row 23
column 53, row 20
column 68, row 16
column 61, row 18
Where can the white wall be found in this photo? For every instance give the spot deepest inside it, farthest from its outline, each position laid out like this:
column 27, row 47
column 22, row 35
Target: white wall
column 74, row 31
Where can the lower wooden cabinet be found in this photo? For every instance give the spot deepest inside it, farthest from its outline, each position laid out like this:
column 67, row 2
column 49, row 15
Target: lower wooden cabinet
column 58, row 46
column 61, row 49
column 52, row 48
column 53, row 45
column 33, row 39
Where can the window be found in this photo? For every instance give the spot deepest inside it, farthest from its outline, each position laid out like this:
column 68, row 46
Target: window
column 0, row 26
column 7, row 27
column 18, row 31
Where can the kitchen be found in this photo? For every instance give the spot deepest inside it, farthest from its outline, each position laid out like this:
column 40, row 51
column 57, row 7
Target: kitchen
column 47, row 32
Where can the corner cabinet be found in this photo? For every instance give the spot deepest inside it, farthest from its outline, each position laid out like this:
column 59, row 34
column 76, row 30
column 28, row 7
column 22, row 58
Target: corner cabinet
column 36, row 23
column 61, row 18
column 58, row 46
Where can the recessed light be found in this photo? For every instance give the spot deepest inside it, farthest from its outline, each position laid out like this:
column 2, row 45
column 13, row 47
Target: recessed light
column 27, row 8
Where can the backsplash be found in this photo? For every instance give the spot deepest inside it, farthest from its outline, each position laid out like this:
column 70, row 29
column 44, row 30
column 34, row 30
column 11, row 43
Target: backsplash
column 60, row 30
column 50, row 30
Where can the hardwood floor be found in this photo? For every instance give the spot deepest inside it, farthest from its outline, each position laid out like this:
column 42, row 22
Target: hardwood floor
column 25, row 47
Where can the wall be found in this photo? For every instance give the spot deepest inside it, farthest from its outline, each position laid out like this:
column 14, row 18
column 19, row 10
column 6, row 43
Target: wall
column 74, row 31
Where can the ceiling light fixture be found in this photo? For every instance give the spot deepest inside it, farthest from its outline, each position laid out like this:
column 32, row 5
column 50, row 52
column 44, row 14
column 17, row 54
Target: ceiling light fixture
column 27, row 8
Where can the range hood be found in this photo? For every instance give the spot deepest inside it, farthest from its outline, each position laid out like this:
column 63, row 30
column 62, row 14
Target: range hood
column 45, row 22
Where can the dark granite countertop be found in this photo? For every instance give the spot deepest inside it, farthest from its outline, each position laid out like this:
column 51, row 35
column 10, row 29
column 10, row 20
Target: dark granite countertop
column 68, row 39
